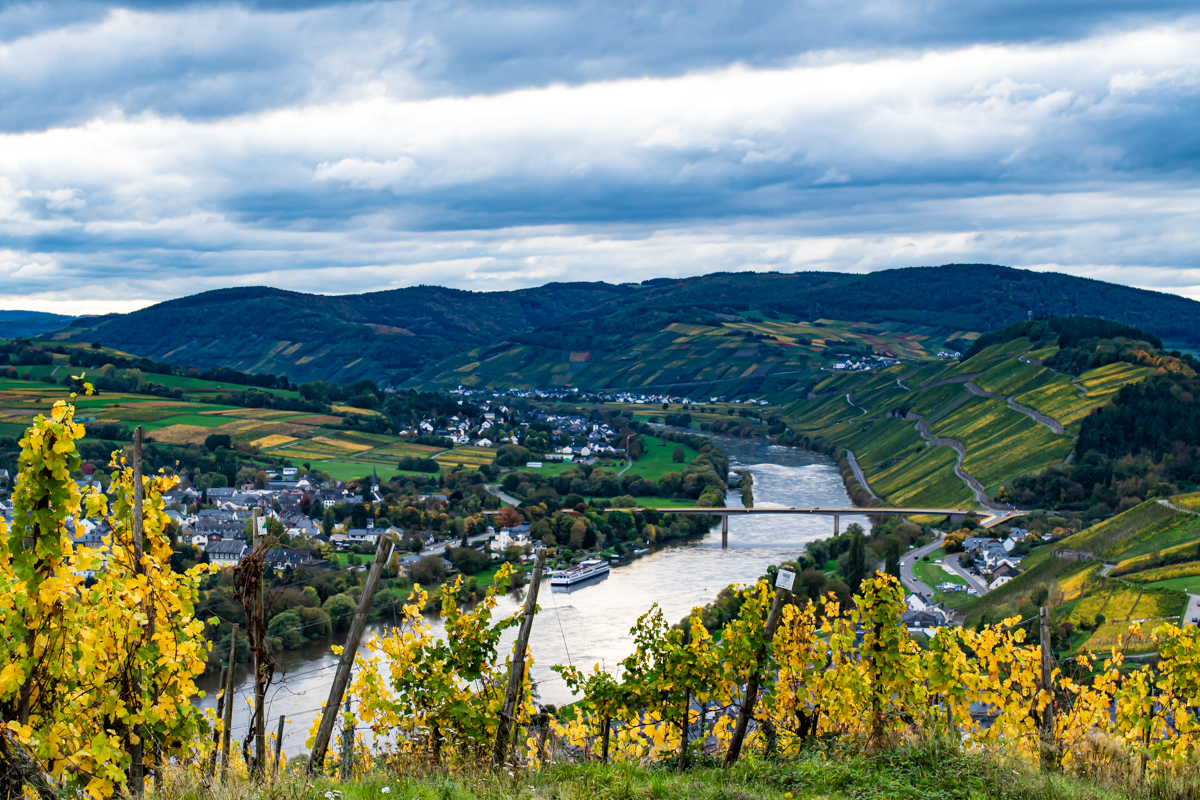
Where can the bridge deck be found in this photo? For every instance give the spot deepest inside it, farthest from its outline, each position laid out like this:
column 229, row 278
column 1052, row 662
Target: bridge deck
column 816, row 510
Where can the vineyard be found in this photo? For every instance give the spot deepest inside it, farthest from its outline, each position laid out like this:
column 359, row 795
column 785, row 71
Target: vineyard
column 97, row 675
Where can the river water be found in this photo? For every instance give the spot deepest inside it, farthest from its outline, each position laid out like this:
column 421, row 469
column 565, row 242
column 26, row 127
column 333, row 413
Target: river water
column 589, row 624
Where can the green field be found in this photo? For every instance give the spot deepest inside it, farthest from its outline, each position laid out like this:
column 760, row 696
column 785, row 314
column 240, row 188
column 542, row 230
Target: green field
column 656, row 460
column 1189, row 585
column 1012, row 376
column 926, row 479
column 1001, row 443
column 1112, row 377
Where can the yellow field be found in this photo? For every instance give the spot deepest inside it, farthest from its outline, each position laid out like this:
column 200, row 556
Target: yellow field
column 1186, row 570
column 274, row 440
column 366, row 412
column 183, row 434
column 1108, row 636
column 343, row 445
column 468, row 456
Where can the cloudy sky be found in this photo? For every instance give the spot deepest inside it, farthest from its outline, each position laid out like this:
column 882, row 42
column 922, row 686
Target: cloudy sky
column 152, row 150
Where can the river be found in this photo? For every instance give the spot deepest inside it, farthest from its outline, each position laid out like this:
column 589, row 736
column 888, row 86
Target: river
column 589, row 624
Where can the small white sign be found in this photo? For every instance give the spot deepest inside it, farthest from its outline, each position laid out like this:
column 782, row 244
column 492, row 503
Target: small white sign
column 784, row 579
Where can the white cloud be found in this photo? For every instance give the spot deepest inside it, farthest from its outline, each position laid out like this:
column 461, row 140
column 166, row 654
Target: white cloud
column 1016, row 154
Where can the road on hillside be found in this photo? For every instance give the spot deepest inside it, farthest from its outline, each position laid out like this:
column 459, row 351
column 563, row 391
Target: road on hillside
column 1193, row 609
column 496, row 491
column 974, row 581
column 906, row 567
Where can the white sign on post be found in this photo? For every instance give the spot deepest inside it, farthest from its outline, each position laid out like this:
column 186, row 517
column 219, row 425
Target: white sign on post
column 784, row 579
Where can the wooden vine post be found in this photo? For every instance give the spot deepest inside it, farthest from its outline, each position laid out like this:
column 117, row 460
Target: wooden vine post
column 516, row 675
column 227, row 720
column 784, row 580
column 342, row 677
column 259, row 632
column 278, row 747
column 1047, row 683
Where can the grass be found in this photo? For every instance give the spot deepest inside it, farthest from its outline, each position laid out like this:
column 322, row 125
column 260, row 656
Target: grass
column 1113, row 531
column 1189, row 570
column 1112, row 377
column 931, row 574
column 1011, row 376
column 1000, row 442
column 1059, row 399
column 1177, row 530
column 927, row 769
column 924, row 479
column 1189, row 584
column 657, row 461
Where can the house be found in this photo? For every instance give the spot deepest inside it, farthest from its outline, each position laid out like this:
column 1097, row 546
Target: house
column 4, row 479
column 998, row 582
column 917, row 602
column 354, row 536
column 288, row 558
column 223, row 528
column 927, row 620
column 289, row 473
column 304, row 527
column 408, row 562
column 226, row 552
column 220, row 493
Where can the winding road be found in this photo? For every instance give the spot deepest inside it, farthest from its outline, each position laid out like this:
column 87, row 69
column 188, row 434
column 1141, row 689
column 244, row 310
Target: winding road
column 858, row 473
column 1037, row 416
column 906, row 567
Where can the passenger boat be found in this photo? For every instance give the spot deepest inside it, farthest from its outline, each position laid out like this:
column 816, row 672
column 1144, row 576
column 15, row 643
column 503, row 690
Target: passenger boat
column 582, row 571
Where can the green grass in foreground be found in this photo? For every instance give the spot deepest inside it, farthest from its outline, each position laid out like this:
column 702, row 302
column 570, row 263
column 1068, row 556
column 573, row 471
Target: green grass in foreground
column 928, row 771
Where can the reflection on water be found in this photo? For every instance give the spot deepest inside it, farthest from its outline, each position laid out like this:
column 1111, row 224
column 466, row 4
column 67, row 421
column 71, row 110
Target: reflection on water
column 589, row 623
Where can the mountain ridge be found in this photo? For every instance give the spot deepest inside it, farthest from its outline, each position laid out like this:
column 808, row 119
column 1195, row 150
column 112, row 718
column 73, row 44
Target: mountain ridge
column 396, row 334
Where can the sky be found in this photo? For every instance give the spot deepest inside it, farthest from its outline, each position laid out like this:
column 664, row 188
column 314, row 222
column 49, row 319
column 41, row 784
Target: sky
column 154, row 150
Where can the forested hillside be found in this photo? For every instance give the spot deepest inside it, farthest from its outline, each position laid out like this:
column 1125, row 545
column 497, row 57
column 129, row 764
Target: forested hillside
column 392, row 336
column 29, row 323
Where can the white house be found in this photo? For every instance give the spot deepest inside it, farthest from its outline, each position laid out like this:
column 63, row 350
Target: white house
column 226, row 552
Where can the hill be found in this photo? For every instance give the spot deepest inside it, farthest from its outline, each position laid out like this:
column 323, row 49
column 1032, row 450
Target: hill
column 1137, row 566
column 394, row 335
column 997, row 426
column 15, row 323
column 685, row 352
column 382, row 335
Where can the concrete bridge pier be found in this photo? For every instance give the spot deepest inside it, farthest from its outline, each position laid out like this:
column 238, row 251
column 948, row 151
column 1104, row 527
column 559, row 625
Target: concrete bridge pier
column 836, row 524
column 724, row 531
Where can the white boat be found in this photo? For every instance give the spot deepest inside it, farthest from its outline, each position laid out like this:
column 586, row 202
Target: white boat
column 582, row 571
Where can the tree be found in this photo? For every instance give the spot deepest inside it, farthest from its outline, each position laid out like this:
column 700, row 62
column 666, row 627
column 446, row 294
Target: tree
column 856, row 560
column 508, row 517
column 678, row 456
column 340, row 607
column 578, row 532
column 893, row 557
column 215, row 440
column 428, row 570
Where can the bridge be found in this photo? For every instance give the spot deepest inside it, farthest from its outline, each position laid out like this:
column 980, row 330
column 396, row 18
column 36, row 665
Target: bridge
column 993, row 517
